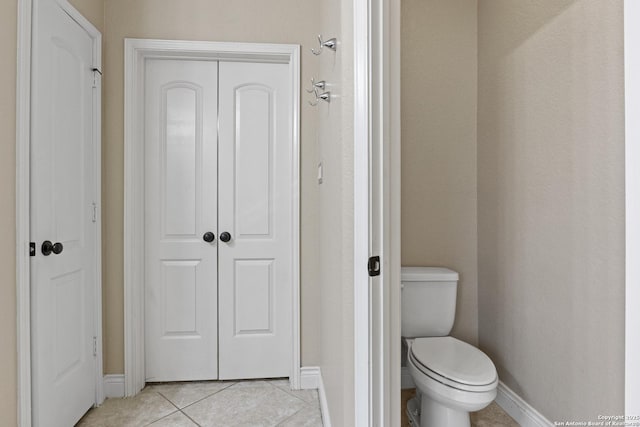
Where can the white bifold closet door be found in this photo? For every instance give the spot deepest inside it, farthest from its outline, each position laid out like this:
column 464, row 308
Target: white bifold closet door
column 255, row 207
column 218, row 147
column 181, row 306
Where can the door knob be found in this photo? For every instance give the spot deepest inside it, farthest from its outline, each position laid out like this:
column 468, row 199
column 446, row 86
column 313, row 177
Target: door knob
column 225, row 237
column 57, row 248
column 46, row 248
column 208, row 237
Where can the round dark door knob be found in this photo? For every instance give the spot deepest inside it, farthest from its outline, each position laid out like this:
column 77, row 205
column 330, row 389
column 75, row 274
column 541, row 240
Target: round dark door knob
column 57, row 248
column 208, row 237
column 46, row 248
column 225, row 237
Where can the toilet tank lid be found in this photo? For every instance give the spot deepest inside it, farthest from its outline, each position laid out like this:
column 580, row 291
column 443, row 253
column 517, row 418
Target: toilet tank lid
column 428, row 274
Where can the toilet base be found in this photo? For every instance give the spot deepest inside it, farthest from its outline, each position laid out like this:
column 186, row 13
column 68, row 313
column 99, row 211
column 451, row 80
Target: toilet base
column 413, row 411
column 426, row 412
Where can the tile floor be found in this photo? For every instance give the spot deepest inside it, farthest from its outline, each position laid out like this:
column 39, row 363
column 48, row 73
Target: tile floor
column 236, row 403
column 491, row 416
column 212, row 403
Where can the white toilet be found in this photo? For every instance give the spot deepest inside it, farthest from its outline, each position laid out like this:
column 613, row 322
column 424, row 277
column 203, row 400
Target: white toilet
column 452, row 377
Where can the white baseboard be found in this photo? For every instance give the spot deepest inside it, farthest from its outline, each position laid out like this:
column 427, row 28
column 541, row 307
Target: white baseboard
column 311, row 378
column 405, row 379
column 113, row 386
column 518, row 409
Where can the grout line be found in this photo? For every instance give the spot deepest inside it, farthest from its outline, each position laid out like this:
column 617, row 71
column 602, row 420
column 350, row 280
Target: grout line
column 289, row 417
column 290, row 393
column 168, row 400
column 187, row 415
column 207, row 396
column 169, row 414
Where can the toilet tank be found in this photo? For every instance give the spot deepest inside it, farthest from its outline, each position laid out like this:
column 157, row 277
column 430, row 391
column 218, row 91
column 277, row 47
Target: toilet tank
column 428, row 301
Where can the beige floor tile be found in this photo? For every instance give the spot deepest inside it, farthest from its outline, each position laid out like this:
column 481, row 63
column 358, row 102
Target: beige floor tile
column 245, row 405
column 252, row 384
column 137, row 411
column 185, row 393
column 177, row 419
column 307, row 417
column 280, row 382
column 309, row 396
column 492, row 416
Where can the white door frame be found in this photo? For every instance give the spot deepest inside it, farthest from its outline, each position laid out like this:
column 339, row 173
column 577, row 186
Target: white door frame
column 136, row 52
column 373, row 95
column 23, row 197
column 377, row 128
column 632, row 195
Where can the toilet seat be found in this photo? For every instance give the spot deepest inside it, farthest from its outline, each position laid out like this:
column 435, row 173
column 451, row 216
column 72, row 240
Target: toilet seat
column 454, row 363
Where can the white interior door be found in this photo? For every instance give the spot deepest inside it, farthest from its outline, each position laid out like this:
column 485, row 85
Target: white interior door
column 256, row 209
column 63, row 199
column 181, row 206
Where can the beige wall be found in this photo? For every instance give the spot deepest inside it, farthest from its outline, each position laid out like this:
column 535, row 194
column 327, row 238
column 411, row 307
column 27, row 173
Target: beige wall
column 287, row 21
column 8, row 363
column 93, row 10
column 335, row 151
column 439, row 104
column 551, row 202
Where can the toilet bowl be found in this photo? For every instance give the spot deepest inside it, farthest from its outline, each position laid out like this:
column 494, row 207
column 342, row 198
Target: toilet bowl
column 452, row 377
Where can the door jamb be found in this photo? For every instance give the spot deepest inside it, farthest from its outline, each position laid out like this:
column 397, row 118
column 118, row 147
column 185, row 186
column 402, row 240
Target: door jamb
column 377, row 128
column 136, row 52
column 23, row 197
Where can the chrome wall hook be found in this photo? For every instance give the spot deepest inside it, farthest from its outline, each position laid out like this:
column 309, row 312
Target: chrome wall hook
column 316, row 85
column 324, row 96
column 329, row 44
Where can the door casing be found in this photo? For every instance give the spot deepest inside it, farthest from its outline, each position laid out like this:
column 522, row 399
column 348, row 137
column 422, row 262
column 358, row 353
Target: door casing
column 23, row 208
column 136, row 52
column 376, row 50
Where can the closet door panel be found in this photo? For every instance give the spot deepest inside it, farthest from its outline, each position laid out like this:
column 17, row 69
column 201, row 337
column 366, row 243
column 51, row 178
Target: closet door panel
column 255, row 208
column 181, row 115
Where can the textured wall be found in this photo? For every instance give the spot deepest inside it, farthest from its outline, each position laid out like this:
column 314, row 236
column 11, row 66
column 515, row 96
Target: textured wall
column 551, row 202
column 288, row 21
column 8, row 364
column 335, row 244
column 439, row 105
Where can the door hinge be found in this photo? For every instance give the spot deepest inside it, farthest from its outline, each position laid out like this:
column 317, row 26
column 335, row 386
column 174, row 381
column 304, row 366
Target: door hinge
column 374, row 266
column 32, row 248
column 95, row 212
column 96, row 73
column 95, row 346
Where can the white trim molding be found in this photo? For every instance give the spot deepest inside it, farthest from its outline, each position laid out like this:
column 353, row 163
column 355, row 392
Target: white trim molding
column 23, row 201
column 113, row 386
column 136, row 52
column 324, row 405
column 311, row 379
column 523, row 413
column 23, row 196
column 362, row 332
column 377, row 210
column 632, row 195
